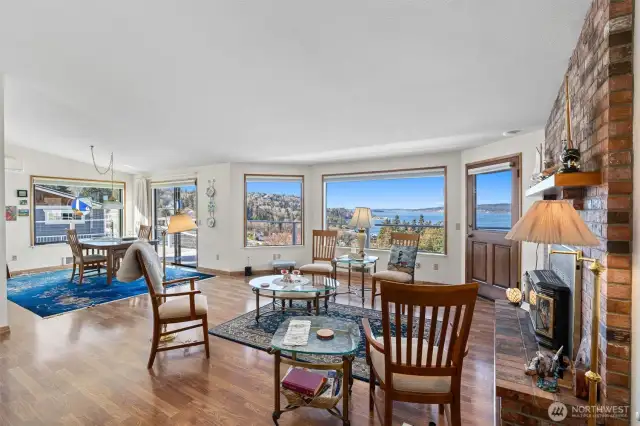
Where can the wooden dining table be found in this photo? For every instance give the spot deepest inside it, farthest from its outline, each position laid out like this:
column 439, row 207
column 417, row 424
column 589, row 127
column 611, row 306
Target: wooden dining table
column 110, row 247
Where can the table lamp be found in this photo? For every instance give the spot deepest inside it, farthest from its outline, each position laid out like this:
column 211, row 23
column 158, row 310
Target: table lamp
column 180, row 222
column 361, row 220
column 557, row 222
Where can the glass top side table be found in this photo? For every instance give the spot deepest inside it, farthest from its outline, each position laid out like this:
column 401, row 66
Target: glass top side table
column 362, row 265
column 344, row 344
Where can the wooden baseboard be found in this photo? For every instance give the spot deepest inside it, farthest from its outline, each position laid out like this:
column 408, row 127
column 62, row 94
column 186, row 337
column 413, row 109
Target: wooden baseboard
column 213, row 271
column 38, row 270
column 254, row 272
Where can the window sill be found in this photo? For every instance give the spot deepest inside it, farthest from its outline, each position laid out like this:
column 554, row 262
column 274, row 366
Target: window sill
column 271, row 247
column 382, row 251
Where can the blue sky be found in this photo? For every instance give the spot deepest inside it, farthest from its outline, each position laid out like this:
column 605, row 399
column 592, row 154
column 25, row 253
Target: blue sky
column 493, row 188
column 407, row 193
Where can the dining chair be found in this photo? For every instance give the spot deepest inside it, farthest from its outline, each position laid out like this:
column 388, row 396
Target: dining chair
column 168, row 308
column 144, row 233
column 425, row 365
column 402, row 262
column 81, row 260
column 323, row 250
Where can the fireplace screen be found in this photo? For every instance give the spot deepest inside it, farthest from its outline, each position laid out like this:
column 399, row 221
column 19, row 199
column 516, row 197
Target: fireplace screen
column 544, row 312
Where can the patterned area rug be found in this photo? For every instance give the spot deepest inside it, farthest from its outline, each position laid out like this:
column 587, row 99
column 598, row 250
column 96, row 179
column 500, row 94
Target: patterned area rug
column 50, row 293
column 246, row 331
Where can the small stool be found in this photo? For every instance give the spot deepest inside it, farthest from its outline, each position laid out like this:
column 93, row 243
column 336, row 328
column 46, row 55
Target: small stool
column 283, row 264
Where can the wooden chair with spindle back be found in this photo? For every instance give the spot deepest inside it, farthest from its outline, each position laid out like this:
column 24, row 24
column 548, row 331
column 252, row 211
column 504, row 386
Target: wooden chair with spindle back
column 171, row 308
column 420, row 367
column 323, row 250
column 397, row 273
column 144, row 233
column 81, row 260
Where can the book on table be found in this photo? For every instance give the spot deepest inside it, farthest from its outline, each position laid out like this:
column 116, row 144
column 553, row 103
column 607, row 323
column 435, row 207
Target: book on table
column 310, row 383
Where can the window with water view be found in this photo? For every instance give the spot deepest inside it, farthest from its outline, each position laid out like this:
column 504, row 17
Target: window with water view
column 411, row 202
column 274, row 212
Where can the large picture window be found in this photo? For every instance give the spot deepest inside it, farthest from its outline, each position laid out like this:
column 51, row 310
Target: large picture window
column 273, row 210
column 58, row 204
column 411, row 201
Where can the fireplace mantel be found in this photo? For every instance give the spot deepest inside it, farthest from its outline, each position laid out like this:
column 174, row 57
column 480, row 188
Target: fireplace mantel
column 553, row 184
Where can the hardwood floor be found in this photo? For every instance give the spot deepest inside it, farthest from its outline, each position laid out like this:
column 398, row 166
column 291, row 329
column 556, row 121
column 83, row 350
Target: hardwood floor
column 89, row 368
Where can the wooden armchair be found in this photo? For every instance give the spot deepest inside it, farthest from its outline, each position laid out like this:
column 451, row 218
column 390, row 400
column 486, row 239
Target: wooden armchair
column 420, row 368
column 171, row 308
column 144, row 233
column 323, row 250
column 81, row 260
column 404, row 273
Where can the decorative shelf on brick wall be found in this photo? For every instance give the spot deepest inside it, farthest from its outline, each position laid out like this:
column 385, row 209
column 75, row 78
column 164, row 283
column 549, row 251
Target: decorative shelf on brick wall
column 553, row 184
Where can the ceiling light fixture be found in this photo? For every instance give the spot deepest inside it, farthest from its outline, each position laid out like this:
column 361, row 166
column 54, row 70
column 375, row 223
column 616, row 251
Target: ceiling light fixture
column 111, row 202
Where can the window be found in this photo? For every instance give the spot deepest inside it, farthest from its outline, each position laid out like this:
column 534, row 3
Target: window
column 273, row 210
column 493, row 192
column 60, row 203
column 170, row 198
column 411, row 201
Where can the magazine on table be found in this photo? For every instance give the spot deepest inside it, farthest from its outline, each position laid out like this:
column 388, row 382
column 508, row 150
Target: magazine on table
column 297, row 333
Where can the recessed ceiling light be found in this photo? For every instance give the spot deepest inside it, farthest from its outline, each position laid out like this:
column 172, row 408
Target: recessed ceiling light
column 511, row 132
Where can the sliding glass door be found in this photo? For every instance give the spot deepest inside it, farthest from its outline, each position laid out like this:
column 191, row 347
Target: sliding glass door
column 168, row 200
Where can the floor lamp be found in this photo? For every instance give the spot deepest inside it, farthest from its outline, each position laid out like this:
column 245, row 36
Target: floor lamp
column 180, row 222
column 557, row 222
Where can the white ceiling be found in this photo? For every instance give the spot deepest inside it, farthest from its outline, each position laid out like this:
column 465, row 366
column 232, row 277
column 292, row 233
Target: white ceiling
column 172, row 83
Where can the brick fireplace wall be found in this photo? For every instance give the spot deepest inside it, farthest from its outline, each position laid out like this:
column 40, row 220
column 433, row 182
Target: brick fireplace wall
column 601, row 92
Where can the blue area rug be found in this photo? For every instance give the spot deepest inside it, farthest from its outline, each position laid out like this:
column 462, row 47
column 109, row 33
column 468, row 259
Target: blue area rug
column 246, row 331
column 50, row 293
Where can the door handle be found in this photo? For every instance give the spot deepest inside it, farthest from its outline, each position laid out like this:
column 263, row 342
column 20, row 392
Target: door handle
column 469, row 235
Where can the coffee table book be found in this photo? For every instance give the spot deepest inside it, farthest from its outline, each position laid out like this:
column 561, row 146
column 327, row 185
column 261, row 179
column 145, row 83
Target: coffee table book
column 303, row 381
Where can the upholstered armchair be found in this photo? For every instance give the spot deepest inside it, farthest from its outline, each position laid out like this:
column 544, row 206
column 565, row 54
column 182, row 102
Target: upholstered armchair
column 168, row 308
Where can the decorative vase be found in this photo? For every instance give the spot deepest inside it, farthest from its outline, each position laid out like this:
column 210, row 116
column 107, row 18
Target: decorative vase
column 570, row 158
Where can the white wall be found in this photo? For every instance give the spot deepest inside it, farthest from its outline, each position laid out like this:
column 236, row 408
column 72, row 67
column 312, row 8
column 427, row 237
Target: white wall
column 526, row 146
column 19, row 232
column 4, row 317
column 635, row 266
column 450, row 266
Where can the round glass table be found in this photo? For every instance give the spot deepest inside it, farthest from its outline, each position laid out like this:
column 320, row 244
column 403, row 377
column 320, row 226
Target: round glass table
column 304, row 287
column 360, row 265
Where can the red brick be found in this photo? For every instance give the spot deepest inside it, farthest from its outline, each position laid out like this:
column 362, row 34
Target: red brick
column 620, row 187
column 620, row 8
column 619, row 321
column 619, row 306
column 617, row 128
column 620, row 112
column 619, row 365
column 621, row 82
column 617, row 261
column 619, row 142
column 619, row 233
column 617, row 379
column 621, row 351
column 620, row 276
column 618, row 291
column 621, row 97
column 619, row 203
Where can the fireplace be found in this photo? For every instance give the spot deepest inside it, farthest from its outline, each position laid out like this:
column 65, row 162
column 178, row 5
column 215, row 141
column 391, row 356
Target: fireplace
column 554, row 299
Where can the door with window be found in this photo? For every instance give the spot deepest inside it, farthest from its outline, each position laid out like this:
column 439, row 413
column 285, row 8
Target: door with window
column 169, row 199
column 493, row 207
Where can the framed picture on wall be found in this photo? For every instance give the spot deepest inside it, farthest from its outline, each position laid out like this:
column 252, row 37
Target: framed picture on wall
column 22, row 193
column 23, row 212
column 24, row 202
column 10, row 213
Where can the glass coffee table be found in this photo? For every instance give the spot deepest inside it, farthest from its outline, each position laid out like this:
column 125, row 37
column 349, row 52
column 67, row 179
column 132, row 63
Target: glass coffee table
column 360, row 265
column 344, row 344
column 306, row 288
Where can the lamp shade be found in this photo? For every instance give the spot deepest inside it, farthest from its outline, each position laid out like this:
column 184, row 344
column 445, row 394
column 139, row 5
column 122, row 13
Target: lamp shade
column 180, row 223
column 361, row 218
column 552, row 222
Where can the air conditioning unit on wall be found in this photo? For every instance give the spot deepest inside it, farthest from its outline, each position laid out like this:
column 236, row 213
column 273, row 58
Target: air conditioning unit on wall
column 12, row 164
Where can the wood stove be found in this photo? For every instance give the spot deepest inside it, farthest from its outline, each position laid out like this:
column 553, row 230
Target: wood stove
column 549, row 299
